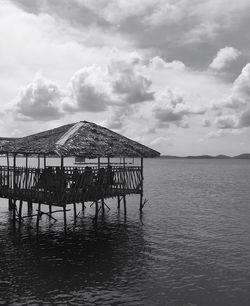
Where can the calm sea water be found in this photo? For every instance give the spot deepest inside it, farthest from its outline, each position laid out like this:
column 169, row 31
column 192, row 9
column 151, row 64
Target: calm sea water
column 191, row 245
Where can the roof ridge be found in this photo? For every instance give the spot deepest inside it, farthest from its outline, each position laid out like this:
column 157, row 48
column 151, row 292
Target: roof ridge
column 61, row 141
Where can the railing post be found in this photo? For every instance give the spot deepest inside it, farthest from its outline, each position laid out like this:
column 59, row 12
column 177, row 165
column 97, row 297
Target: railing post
column 141, row 195
column 8, row 181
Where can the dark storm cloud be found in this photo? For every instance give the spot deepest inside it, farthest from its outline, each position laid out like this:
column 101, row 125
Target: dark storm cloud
column 191, row 32
column 69, row 11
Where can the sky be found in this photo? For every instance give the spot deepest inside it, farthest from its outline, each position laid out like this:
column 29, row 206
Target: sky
column 171, row 74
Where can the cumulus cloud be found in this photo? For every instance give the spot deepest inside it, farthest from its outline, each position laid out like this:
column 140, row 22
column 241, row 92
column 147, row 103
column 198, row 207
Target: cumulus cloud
column 226, row 122
column 224, row 57
column 159, row 63
column 239, row 95
column 93, row 88
column 172, row 108
column 90, row 90
column 242, row 83
column 39, row 100
column 128, row 82
column 244, row 120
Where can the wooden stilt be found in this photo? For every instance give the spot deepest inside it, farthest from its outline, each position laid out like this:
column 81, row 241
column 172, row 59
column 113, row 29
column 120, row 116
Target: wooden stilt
column 65, row 217
column 124, row 204
column 14, row 212
column 74, row 210
column 83, row 206
column 96, row 209
column 20, row 210
column 141, row 194
column 10, row 204
column 30, row 206
column 103, row 205
column 50, row 209
column 38, row 215
column 118, row 202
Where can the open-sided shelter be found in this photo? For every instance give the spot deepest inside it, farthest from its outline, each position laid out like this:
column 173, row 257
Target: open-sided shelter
column 59, row 186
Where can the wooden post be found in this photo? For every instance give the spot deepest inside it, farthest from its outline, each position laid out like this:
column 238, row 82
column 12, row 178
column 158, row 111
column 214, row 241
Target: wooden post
column 141, row 195
column 118, row 202
column 96, row 209
column 44, row 160
column 14, row 212
column 125, row 204
column 99, row 163
column 30, row 206
column 20, row 210
column 38, row 215
column 74, row 211
column 26, row 174
column 14, row 175
column 8, row 183
column 65, row 217
column 62, row 162
column 83, row 206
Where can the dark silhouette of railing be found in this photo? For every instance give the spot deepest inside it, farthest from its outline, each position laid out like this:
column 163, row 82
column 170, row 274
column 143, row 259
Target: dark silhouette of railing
column 65, row 185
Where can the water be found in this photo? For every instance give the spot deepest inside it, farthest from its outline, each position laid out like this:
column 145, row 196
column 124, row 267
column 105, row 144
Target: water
column 191, row 245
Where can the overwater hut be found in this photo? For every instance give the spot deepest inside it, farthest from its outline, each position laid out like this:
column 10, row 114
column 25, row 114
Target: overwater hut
column 64, row 185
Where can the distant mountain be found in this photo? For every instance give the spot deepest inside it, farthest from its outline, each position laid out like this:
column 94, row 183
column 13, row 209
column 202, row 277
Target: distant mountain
column 220, row 156
column 243, row 156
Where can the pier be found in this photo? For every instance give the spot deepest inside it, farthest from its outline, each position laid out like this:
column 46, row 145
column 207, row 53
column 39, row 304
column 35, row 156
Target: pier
column 61, row 186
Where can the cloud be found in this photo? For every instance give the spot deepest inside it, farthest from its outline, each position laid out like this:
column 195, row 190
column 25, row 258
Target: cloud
column 39, row 101
column 244, row 120
column 224, row 132
column 239, row 94
column 206, row 123
column 224, row 57
column 94, row 88
column 89, row 90
column 171, row 107
column 128, row 82
column 241, row 85
column 226, row 122
column 159, row 63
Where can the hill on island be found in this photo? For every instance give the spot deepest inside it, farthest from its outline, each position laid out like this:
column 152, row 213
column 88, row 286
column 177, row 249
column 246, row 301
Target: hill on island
column 220, row 156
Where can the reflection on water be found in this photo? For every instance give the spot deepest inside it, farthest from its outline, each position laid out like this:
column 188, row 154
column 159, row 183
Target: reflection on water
column 190, row 246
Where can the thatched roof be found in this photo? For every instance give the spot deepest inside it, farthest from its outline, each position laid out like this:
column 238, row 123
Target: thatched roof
column 83, row 139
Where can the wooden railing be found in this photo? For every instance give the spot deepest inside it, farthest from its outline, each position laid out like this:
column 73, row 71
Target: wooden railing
column 57, row 186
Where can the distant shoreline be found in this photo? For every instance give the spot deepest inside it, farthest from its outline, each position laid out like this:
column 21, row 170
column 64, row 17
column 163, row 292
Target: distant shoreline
column 221, row 156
